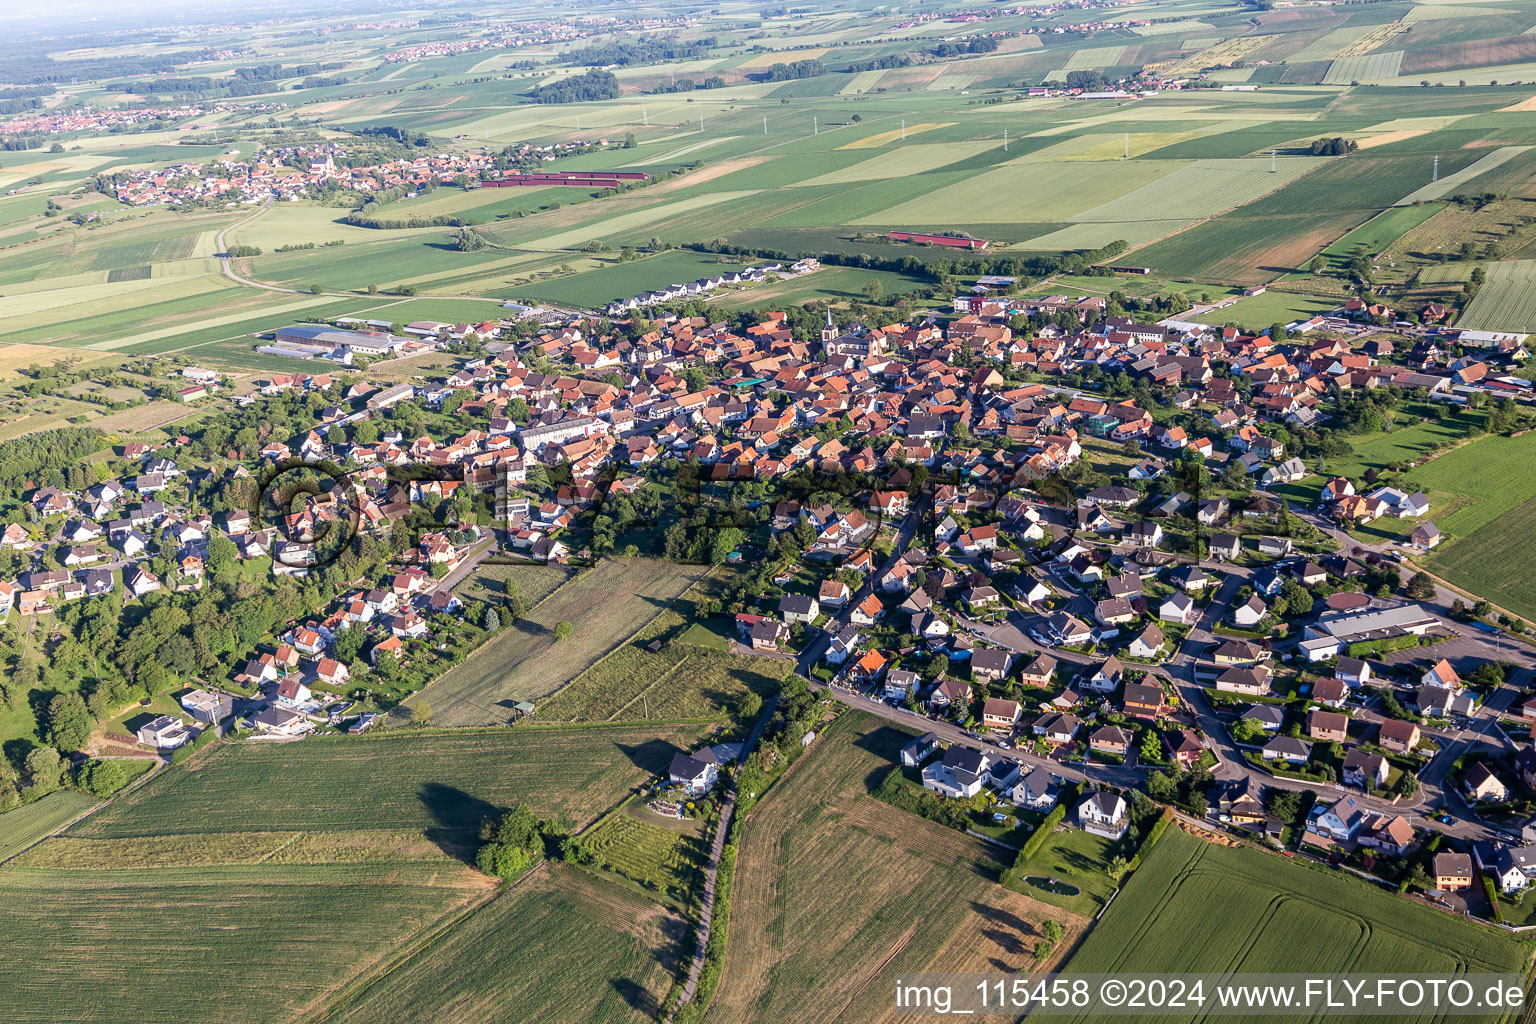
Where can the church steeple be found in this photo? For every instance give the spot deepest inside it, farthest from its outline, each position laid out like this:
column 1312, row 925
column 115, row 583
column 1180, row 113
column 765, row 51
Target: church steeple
column 829, row 330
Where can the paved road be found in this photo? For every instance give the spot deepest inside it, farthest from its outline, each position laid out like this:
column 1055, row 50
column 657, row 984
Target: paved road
column 229, row 264
column 1012, row 632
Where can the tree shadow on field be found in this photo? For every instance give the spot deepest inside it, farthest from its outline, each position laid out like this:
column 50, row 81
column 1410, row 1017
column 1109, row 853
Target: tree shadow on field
column 1002, row 918
column 652, row 755
column 639, row 999
column 458, row 816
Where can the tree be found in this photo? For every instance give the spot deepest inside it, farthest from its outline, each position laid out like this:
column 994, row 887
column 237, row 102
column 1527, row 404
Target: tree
column 1051, row 929
column 69, row 722
column 492, row 620
column 751, row 705
column 315, row 289
column 1278, row 333
column 43, row 768
column 102, row 778
column 467, row 239
column 563, row 630
column 511, row 843
column 349, row 644
column 421, row 713
column 1421, row 587
column 874, row 290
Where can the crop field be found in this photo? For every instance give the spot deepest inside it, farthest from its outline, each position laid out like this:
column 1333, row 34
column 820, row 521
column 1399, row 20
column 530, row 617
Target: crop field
column 22, row 826
column 1196, row 906
column 265, row 945
column 525, row 662
column 1451, row 183
column 534, row 582
column 586, row 949
column 443, row 782
column 837, row 894
column 1488, row 527
column 667, row 861
column 1506, row 301
column 680, row 682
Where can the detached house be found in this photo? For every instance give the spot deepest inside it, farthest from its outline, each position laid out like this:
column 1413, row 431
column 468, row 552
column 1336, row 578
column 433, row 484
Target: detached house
column 1104, row 814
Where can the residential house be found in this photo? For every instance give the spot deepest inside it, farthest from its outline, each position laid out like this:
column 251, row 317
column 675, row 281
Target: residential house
column 1110, row 739
column 959, row 774
column 1000, row 714
column 1104, row 814
column 1057, row 727
column 1330, row 692
column 1143, row 700
column 866, row 613
column 1453, row 872
column 1178, row 608
column 1249, row 613
column 1483, row 786
column 1103, row 676
column 1364, row 769
column 1286, row 748
column 696, row 774
column 1039, row 672
column 1353, row 671
column 1148, row 644
column 919, row 750
column 799, row 608
column 164, row 732
column 1398, row 736
column 1327, row 726
column 991, row 664
column 900, row 683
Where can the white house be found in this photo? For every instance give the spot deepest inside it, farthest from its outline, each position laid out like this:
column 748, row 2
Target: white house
column 1104, row 814
column 696, row 774
column 960, row 773
column 1179, row 607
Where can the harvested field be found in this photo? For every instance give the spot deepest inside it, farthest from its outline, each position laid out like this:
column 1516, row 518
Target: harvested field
column 1225, row 52
column 1475, row 54
column 837, row 894
column 524, row 662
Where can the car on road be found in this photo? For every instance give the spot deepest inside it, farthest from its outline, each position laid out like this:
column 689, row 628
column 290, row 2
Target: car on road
column 1039, row 638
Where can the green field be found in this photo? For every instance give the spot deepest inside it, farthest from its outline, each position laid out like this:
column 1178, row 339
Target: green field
column 439, row 782
column 1488, row 532
column 22, row 826
column 666, row 859
column 524, row 662
column 1193, row 906
column 586, row 949
column 1506, row 301
column 265, row 942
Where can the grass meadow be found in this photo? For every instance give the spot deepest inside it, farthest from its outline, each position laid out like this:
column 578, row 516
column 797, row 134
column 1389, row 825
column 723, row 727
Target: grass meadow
column 23, row 826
